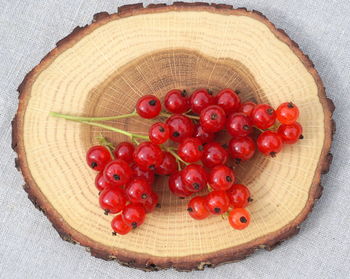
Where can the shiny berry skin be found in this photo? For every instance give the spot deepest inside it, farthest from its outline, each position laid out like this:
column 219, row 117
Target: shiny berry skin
column 148, row 106
column 197, row 209
column 101, row 182
column 263, row 116
column 148, row 175
column 228, row 100
column 247, row 108
column 168, row 165
column 181, row 127
column 190, row 150
column 118, row 172
column 148, row 155
column 177, row 187
column 221, row 178
column 119, row 226
column 124, row 151
column 138, row 190
column 239, row 218
column 159, row 133
column 242, row 148
column 98, row 157
column 213, row 155
column 176, row 101
column 287, row 113
column 269, row 143
column 239, row 125
column 151, row 202
column 290, row 133
column 112, row 200
column 203, row 136
column 200, row 99
column 212, row 119
column 217, row 202
column 134, row 215
column 239, row 196
column 194, row 178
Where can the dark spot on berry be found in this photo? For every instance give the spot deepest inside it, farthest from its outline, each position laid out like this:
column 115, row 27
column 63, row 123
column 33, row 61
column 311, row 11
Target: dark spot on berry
column 106, row 211
column 200, row 148
column 301, row 137
column 190, row 209
column 116, row 177
column 181, row 198
column 114, row 233
column 237, row 91
column 144, row 196
column 196, row 186
column 99, row 193
column 134, row 225
column 152, row 167
column 176, row 134
column 250, row 199
column 269, row 111
column 93, row 165
column 161, row 129
column 243, row 219
column 273, row 154
column 225, row 145
column 213, row 116
column 210, row 92
column 246, row 127
column 290, row 105
column 184, row 93
column 152, row 102
column 158, row 205
column 228, row 178
column 217, row 210
column 238, row 161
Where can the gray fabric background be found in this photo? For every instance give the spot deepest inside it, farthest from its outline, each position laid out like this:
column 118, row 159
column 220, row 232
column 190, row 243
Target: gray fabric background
column 31, row 248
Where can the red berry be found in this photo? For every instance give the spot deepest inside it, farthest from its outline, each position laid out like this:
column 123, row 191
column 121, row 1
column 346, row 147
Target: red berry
column 134, row 215
column 203, row 136
column 247, row 108
column 217, row 202
column 98, row 157
column 148, row 155
column 119, row 226
column 263, row 116
column 148, row 106
column 269, row 143
column 200, row 99
column 212, row 119
column 118, row 172
column 151, row 202
column 214, row 154
column 194, row 178
column 239, row 218
column 290, row 133
column 148, row 175
column 239, row 125
column 197, row 208
column 242, row 148
column 138, row 190
column 176, row 185
column 190, row 150
column 181, row 127
column 176, row 101
column 168, row 165
column 112, row 200
column 228, row 100
column 124, row 151
column 287, row 113
column 159, row 133
column 221, row 178
column 101, row 182
column 239, row 196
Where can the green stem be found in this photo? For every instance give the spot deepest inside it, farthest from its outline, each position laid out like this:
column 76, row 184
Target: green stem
column 177, row 156
column 82, row 118
column 164, row 114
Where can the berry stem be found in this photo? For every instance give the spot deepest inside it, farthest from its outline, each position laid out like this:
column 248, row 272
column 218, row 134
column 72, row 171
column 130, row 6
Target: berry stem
column 164, row 114
column 105, row 142
column 178, row 159
column 82, row 118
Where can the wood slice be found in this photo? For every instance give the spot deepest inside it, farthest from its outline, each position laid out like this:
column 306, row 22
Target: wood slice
column 101, row 69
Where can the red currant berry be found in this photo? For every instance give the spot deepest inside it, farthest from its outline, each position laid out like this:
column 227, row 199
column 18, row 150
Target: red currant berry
column 203, row 136
column 287, row 113
column 242, row 148
column 168, row 165
column 221, row 178
column 159, row 133
column 228, row 100
column 239, row 196
column 239, row 218
column 212, row 119
column 290, row 133
column 124, row 151
column 239, row 125
column 101, row 182
column 269, row 143
column 151, row 202
column 217, row 202
column 134, row 215
column 181, row 127
column 118, row 172
column 194, row 178
column 263, row 116
column 147, row 175
column 98, row 157
column 247, row 108
column 176, row 101
column 138, row 190
column 177, row 187
column 148, row 155
column 119, row 226
column 190, row 150
column 112, row 200
column 197, row 208
column 148, row 106
column 200, row 99
column 214, row 154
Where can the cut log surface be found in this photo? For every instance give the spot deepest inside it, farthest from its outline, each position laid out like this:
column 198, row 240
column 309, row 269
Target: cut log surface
column 102, row 69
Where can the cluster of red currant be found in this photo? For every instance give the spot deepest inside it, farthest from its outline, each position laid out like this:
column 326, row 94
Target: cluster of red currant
column 194, row 121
